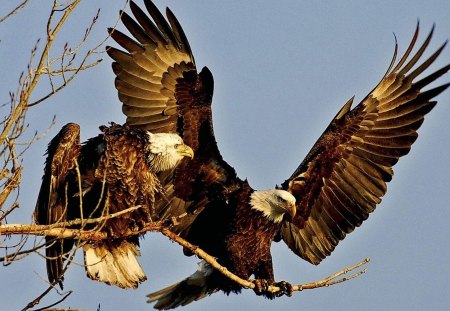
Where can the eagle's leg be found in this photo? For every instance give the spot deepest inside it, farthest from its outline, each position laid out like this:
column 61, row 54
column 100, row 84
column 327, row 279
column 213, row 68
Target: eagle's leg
column 285, row 288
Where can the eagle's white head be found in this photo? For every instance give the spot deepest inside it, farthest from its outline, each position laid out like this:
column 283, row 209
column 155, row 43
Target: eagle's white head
column 167, row 150
column 275, row 204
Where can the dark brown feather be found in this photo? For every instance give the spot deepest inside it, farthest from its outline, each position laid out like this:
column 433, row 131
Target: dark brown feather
column 51, row 206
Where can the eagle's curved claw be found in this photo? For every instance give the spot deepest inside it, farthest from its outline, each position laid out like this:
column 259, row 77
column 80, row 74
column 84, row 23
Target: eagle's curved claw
column 170, row 222
column 285, row 289
column 261, row 286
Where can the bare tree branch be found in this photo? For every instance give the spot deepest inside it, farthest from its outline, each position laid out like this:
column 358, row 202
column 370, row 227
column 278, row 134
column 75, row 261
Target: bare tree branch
column 60, row 229
column 94, row 235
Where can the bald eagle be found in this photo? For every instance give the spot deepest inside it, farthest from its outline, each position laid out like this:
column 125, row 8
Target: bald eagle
column 109, row 173
column 336, row 187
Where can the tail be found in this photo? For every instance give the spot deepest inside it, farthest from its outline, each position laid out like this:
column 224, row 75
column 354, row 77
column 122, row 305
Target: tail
column 114, row 263
column 194, row 287
column 56, row 253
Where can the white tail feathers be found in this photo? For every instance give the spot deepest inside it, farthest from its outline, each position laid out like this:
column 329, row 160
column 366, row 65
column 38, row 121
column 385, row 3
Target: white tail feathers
column 192, row 288
column 114, row 263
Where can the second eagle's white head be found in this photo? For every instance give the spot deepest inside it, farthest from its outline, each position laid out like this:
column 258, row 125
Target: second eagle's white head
column 167, row 150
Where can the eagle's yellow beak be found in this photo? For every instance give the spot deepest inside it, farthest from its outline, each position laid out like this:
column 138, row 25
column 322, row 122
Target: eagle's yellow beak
column 185, row 151
column 291, row 210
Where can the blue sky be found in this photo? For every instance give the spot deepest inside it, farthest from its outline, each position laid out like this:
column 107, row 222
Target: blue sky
column 282, row 70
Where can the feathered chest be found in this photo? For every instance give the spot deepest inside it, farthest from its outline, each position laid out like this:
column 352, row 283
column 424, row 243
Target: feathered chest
column 119, row 175
column 124, row 155
column 252, row 230
column 251, row 233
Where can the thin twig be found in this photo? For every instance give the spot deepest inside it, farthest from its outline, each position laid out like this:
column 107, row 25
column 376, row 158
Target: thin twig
column 16, row 10
column 55, row 303
column 52, row 286
column 9, row 258
column 332, row 279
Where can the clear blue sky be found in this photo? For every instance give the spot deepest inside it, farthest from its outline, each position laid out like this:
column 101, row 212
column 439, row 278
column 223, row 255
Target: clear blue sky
column 282, row 70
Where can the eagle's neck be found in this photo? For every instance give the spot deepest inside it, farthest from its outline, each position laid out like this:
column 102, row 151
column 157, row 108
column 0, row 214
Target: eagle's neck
column 161, row 162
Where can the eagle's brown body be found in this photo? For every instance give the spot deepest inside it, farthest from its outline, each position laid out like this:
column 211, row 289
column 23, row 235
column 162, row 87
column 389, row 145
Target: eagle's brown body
column 238, row 236
column 129, row 178
column 109, row 173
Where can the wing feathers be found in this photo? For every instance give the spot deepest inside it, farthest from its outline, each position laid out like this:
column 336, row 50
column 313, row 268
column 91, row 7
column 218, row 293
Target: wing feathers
column 425, row 81
column 179, row 34
column 427, row 63
column 139, row 102
column 51, row 206
column 147, row 24
column 135, row 80
column 148, row 73
column 419, row 53
column 128, row 44
column 344, row 176
column 133, row 91
column 161, row 23
column 137, row 31
column 408, row 50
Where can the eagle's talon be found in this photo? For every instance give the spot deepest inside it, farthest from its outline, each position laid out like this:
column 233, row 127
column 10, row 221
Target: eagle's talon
column 261, row 286
column 285, row 289
column 170, row 222
column 140, row 224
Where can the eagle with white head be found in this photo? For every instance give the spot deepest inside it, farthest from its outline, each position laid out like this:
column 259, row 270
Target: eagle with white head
column 117, row 170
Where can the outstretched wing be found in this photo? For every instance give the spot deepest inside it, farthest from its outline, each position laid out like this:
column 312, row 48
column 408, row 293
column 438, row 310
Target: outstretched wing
column 62, row 154
column 162, row 91
column 344, row 176
column 148, row 71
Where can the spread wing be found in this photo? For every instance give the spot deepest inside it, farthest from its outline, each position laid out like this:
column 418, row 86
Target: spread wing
column 62, row 154
column 148, row 71
column 344, row 176
column 162, row 91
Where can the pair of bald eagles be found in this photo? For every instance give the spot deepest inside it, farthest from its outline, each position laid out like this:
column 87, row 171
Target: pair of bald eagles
column 142, row 163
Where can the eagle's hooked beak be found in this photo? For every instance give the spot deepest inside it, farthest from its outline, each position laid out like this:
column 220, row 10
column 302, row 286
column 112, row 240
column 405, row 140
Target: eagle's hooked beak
column 291, row 210
column 185, row 151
